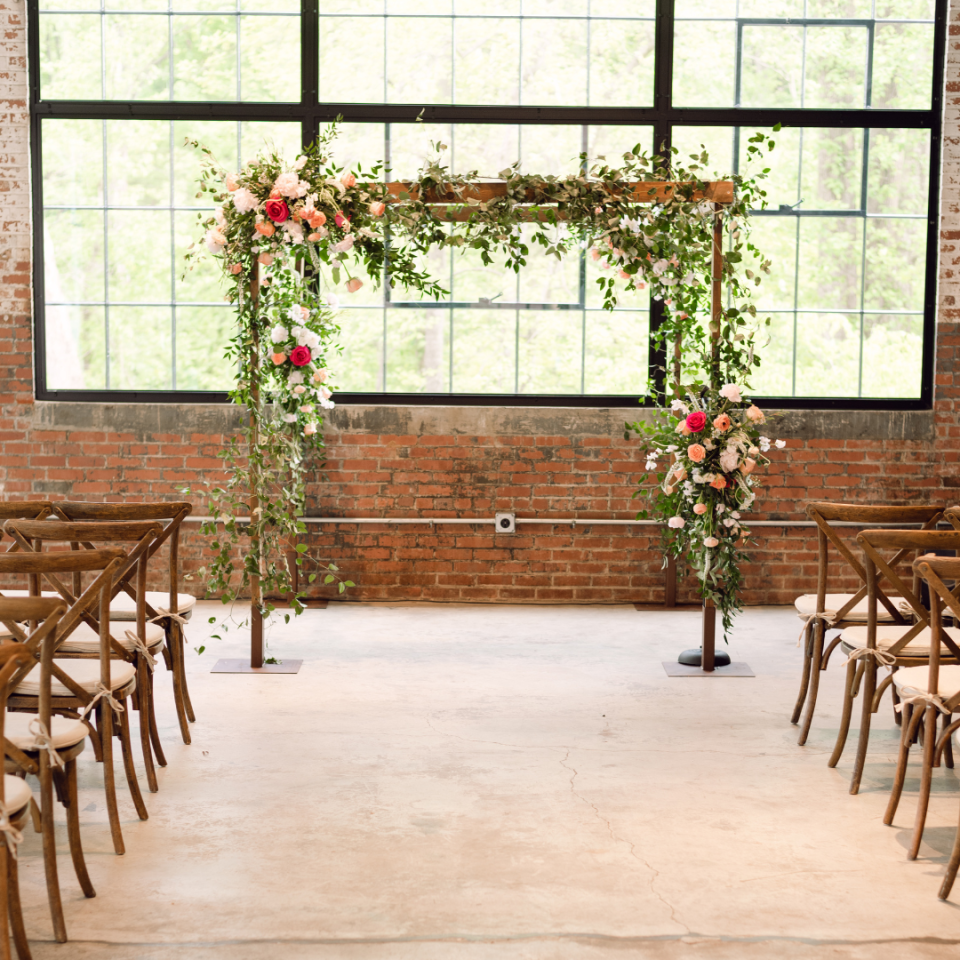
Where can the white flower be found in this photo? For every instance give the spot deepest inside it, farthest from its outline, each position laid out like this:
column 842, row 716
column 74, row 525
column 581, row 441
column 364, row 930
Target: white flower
column 327, row 404
column 367, row 232
column 678, row 406
column 672, row 448
column 295, row 314
column 677, row 523
column 731, row 392
column 219, row 216
column 711, row 542
column 244, row 200
column 753, row 451
column 730, row 522
column 735, row 514
column 729, row 458
column 300, row 163
column 764, row 444
column 288, row 185
column 279, row 333
column 290, row 417
column 781, row 444
column 295, row 377
column 651, row 465
column 333, row 302
column 345, row 244
column 294, row 231
column 325, row 393
column 660, row 266
column 216, row 241
column 720, row 506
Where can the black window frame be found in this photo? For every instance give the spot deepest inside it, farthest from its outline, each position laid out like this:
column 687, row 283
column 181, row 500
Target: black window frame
column 662, row 116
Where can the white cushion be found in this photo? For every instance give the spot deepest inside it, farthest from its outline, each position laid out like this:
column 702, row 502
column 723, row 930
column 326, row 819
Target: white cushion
column 86, row 640
column 124, row 607
column 85, row 672
column 807, row 604
column 64, row 731
column 911, row 680
column 889, row 634
column 16, row 793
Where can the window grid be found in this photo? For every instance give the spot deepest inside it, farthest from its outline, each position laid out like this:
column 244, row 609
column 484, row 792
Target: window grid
column 662, row 116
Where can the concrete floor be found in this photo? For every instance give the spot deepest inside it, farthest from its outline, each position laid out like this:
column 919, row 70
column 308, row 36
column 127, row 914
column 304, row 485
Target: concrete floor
column 504, row 783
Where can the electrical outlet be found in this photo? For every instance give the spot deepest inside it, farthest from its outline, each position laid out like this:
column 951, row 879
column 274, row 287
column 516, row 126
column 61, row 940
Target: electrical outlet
column 505, row 522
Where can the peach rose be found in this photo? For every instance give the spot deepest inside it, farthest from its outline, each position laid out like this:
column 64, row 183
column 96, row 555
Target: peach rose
column 624, row 275
column 235, row 268
column 316, row 218
column 748, row 465
column 711, row 542
column 377, row 207
column 354, row 284
column 699, row 509
column 232, row 183
column 275, row 194
column 719, row 483
column 755, row 414
column 314, row 237
column 683, row 429
column 320, row 376
column 722, row 423
column 266, row 229
column 300, row 388
column 696, row 452
column 679, row 474
column 278, row 358
column 266, row 259
column 310, row 429
column 348, row 180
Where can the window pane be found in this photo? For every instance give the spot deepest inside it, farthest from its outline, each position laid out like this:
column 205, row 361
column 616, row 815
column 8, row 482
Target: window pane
column 76, row 347
column 346, row 82
column 70, row 52
column 550, row 351
column 772, row 67
column 835, row 67
column 484, row 351
column 837, row 241
column 360, row 367
column 885, row 338
column 621, row 63
column 902, row 66
column 486, row 64
column 136, row 57
column 432, row 80
column 554, row 63
column 828, row 355
column 832, row 160
column 140, row 341
column 895, row 264
column 704, row 64
column 899, row 172
column 418, row 351
column 616, row 352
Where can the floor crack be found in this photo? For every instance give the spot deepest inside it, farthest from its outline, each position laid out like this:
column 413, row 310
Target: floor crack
column 655, row 873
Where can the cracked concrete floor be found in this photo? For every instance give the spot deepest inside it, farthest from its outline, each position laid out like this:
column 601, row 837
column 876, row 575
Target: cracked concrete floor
column 517, row 783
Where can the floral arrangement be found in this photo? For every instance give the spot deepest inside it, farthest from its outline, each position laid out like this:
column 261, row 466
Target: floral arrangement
column 287, row 234
column 701, row 456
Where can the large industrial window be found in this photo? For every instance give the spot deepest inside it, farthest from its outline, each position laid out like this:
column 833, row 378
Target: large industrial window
column 117, row 85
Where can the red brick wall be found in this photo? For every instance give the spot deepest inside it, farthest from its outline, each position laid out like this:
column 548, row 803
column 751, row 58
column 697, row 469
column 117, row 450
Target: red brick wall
column 385, row 461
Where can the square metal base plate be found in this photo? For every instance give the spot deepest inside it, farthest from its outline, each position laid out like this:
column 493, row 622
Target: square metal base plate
column 734, row 669
column 243, row 666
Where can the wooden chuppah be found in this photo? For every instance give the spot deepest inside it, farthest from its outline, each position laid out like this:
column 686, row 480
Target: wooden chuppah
column 461, row 208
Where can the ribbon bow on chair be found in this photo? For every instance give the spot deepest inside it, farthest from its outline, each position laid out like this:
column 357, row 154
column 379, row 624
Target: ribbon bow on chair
column 43, row 741
column 881, row 656
column 163, row 614
column 808, row 618
column 105, row 694
column 933, row 699
column 140, row 645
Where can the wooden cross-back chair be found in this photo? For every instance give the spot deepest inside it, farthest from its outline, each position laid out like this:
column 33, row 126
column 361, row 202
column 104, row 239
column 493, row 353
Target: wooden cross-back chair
column 47, row 746
column 907, row 643
column 835, row 611
column 80, row 630
column 99, row 685
column 169, row 608
column 15, row 797
column 940, row 693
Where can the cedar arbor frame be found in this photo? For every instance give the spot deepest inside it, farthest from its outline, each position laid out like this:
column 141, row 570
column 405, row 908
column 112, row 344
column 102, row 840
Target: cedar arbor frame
column 311, row 113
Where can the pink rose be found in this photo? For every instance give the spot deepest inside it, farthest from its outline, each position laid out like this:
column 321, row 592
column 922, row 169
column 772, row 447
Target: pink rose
column 276, row 210
column 316, row 218
column 310, row 429
column 377, row 207
column 595, row 253
column 683, row 429
column 278, row 358
column 696, row 452
column 340, row 220
column 266, row 259
column 696, row 421
column 755, row 414
column 300, row 356
column 624, row 275
column 299, row 389
column 711, row 542
column 699, row 509
column 676, row 523
column 354, row 284
column 266, row 229
column 232, row 183
column 748, row 465
column 235, row 268
column 348, row 180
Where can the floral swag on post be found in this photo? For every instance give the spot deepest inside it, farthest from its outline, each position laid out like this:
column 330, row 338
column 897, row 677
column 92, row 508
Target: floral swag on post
column 287, row 235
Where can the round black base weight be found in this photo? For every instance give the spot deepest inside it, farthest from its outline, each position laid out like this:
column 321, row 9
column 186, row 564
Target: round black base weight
column 691, row 658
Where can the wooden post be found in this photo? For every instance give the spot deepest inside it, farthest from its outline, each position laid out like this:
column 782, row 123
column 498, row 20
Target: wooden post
column 256, row 597
column 708, row 648
column 670, row 583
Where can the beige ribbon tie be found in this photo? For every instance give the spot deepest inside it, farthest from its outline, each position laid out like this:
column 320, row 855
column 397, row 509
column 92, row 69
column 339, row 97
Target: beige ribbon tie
column 163, row 614
column 139, row 644
column 881, row 656
column 104, row 694
column 10, row 833
column 808, row 618
column 932, row 699
column 43, row 741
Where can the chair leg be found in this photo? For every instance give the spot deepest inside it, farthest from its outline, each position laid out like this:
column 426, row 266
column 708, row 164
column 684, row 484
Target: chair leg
column 50, row 851
column 814, row 683
column 866, row 698
column 177, row 671
column 948, row 742
column 845, row 716
column 903, row 758
column 805, row 676
column 952, row 866
column 73, row 830
column 144, row 715
column 131, row 771
column 181, row 644
column 105, row 729
column 154, row 732
column 926, row 777
column 35, row 816
column 16, row 911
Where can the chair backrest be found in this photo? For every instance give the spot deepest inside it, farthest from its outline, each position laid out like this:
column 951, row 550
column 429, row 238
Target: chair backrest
column 25, row 509
column 934, row 570
column 952, row 514
column 826, row 514
column 878, row 568
column 173, row 512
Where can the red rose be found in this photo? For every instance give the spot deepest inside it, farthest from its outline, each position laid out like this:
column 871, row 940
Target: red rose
column 695, row 422
column 300, row 356
column 276, row 210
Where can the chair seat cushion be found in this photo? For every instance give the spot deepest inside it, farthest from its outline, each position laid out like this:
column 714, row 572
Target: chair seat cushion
column 86, row 640
column 124, row 607
column 889, row 634
column 16, row 793
column 64, row 731
column 807, row 604
column 911, row 680
column 85, row 672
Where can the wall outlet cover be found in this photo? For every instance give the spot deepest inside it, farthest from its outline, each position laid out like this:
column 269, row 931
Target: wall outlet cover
column 505, row 522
